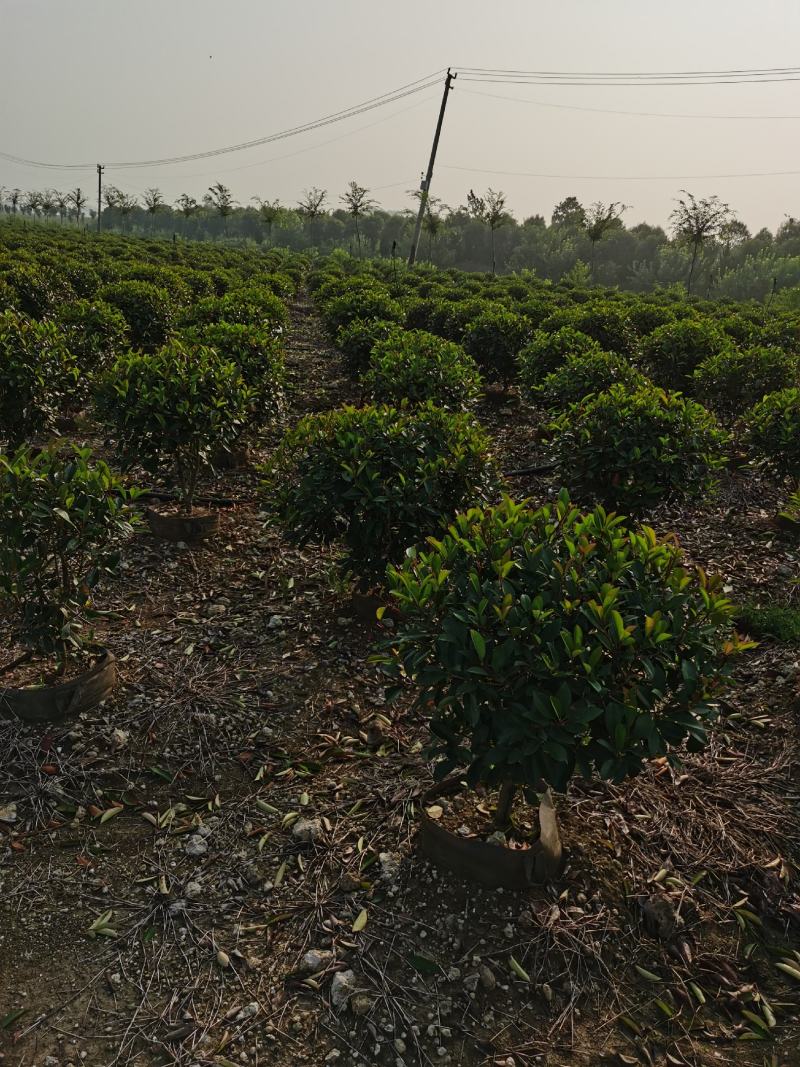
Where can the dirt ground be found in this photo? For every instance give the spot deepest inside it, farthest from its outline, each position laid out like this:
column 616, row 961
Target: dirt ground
column 218, row 866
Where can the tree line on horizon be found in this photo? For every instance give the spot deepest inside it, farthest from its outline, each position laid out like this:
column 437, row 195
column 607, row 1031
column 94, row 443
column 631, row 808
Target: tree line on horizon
column 706, row 249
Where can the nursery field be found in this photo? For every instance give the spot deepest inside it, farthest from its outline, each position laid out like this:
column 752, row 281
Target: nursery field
column 223, row 845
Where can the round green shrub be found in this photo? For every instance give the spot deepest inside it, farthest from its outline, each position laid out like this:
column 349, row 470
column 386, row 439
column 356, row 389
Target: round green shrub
column 672, row 353
column 733, row 380
column 741, row 329
column 630, row 449
column 161, row 277
column 585, row 373
column 493, row 339
column 94, row 331
column 63, row 515
column 417, row 366
column 546, row 352
column 378, row 479
column 605, row 322
column 199, row 283
column 175, row 407
column 773, row 431
column 419, row 313
column 258, row 356
column 549, row 643
column 451, row 318
column 278, row 283
column 783, row 331
column 81, row 278
column 358, row 338
column 246, row 306
column 37, row 289
column 646, row 316
column 368, row 303
column 8, row 297
column 148, row 311
column 536, row 309
column 39, row 377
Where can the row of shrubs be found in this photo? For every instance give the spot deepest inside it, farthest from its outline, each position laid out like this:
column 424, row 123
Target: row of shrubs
column 173, row 380
column 542, row 642
column 729, row 359
column 616, row 433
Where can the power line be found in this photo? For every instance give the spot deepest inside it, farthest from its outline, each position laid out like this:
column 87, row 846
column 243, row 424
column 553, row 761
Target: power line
column 614, row 111
column 756, row 73
column 629, row 82
column 625, row 177
column 310, row 148
column 339, row 116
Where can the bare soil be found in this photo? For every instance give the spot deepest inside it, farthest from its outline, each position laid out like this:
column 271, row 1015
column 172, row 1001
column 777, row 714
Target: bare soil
column 168, row 860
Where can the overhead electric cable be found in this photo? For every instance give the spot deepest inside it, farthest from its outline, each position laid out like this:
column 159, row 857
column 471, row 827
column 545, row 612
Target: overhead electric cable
column 339, row 116
column 308, row 148
column 616, row 111
column 624, row 177
column 744, row 73
column 623, row 82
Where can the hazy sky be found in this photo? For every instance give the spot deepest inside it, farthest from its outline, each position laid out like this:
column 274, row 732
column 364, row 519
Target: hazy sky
column 86, row 80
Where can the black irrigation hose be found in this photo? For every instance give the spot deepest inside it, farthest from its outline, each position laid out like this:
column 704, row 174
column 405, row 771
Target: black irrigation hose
column 543, row 468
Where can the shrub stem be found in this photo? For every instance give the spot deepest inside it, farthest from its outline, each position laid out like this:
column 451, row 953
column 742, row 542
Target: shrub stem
column 505, row 802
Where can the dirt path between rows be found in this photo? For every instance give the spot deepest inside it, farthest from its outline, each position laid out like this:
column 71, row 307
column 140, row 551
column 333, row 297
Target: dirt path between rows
column 247, row 797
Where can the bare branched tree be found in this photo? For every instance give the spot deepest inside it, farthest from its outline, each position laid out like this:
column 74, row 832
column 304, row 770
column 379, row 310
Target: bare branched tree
column 187, row 205
column 697, row 221
column 357, row 201
column 32, row 203
column 490, row 209
column 78, row 201
column 47, row 202
column 312, row 206
column 62, row 205
column 153, row 202
column 111, row 196
column 433, row 217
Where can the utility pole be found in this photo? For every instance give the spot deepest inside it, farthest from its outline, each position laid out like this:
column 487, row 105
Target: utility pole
column 425, row 186
column 100, row 170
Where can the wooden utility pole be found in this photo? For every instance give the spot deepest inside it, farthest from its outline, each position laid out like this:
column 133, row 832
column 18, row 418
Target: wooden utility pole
column 425, row 186
column 100, row 170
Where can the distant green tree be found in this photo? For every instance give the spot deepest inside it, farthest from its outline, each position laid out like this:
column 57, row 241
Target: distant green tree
column 220, row 199
column 187, row 206
column 126, row 204
column 269, row 212
column 599, row 220
column 569, row 213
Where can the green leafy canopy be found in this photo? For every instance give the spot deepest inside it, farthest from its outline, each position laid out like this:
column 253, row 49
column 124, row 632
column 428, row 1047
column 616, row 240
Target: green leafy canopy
column 548, row 643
